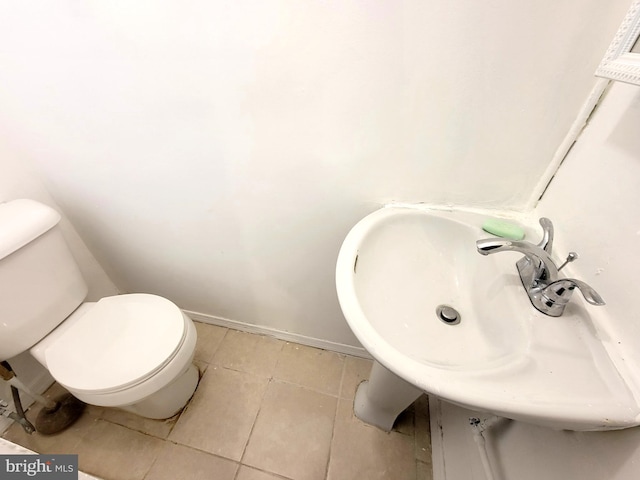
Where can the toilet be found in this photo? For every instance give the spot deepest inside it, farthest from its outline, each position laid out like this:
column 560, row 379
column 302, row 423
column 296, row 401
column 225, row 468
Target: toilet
column 132, row 351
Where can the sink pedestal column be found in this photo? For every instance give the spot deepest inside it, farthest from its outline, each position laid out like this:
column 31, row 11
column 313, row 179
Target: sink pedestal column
column 383, row 397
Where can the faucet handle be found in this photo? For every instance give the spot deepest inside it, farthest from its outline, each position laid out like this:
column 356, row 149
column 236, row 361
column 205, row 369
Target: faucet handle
column 557, row 294
column 589, row 294
column 547, row 235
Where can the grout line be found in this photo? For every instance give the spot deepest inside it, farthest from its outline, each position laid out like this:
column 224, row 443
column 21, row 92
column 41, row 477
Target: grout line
column 217, row 349
column 206, row 452
column 253, row 426
column 271, row 474
column 305, row 387
column 333, row 432
column 199, row 450
column 155, row 459
column 335, row 418
column 344, row 369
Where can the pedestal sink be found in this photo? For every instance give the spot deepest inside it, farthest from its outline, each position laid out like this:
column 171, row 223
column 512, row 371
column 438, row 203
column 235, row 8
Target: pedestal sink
column 439, row 318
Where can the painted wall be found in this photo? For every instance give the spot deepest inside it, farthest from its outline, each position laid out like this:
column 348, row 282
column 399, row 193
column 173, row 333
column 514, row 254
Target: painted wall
column 217, row 152
column 594, row 201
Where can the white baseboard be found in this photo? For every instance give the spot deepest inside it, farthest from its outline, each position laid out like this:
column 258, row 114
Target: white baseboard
column 279, row 334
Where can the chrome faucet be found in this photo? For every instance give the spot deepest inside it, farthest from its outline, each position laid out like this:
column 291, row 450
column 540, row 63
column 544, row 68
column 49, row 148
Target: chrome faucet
column 539, row 274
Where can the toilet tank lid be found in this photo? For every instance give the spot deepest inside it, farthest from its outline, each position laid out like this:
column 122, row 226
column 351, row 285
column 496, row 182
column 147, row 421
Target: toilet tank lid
column 22, row 221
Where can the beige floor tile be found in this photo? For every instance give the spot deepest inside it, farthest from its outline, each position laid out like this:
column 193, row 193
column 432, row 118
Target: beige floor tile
column 317, row 369
column 177, row 462
column 355, row 371
column 209, row 339
column 248, row 352
column 155, row 428
column 113, row 452
column 361, row 451
column 248, row 473
column 221, row 413
column 292, row 434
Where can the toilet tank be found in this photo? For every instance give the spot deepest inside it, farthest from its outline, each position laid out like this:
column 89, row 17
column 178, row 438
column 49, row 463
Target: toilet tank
column 40, row 282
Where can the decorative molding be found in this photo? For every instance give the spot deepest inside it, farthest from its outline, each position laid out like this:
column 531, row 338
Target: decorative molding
column 619, row 63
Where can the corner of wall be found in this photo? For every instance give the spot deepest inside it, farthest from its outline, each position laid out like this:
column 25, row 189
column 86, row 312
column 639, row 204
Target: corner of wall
column 578, row 125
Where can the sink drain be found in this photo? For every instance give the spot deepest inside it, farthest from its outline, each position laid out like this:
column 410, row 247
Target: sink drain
column 448, row 315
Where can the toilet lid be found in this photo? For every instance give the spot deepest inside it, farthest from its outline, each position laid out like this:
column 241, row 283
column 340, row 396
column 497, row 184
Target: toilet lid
column 119, row 342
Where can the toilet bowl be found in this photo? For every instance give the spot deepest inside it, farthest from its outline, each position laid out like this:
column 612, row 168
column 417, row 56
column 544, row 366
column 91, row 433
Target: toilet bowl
column 130, row 351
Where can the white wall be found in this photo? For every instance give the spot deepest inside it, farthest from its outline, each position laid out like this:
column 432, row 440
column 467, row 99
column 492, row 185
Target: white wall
column 594, row 201
column 218, row 152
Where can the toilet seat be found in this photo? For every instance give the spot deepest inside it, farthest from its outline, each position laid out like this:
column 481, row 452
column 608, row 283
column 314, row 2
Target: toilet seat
column 116, row 343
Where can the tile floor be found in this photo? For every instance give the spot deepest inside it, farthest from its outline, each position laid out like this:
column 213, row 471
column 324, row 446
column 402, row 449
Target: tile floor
column 265, row 409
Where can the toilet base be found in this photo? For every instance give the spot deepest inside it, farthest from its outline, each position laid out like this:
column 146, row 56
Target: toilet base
column 169, row 400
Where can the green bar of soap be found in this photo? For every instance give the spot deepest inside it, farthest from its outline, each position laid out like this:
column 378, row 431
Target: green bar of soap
column 503, row 229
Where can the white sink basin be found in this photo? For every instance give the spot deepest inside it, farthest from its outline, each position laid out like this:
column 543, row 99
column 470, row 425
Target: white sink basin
column 399, row 264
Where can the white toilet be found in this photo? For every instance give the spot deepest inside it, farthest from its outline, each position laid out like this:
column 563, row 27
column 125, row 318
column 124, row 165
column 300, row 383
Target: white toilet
column 130, row 351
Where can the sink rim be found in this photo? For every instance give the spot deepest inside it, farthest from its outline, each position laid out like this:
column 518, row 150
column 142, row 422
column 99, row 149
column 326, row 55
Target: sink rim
column 484, row 388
